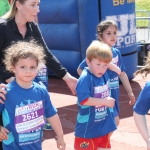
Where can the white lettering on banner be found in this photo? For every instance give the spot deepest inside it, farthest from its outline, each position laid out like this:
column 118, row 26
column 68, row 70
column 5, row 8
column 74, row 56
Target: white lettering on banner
column 130, row 1
column 122, row 2
column 118, row 2
column 132, row 24
column 127, row 29
column 123, row 20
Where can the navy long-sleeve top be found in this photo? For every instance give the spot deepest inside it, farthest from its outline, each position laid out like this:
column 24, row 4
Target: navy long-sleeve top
column 9, row 33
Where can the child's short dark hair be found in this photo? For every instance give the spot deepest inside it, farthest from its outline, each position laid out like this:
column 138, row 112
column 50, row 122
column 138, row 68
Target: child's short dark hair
column 23, row 50
column 100, row 51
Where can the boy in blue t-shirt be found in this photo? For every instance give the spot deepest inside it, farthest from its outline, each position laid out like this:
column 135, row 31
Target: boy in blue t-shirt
column 107, row 33
column 26, row 101
column 95, row 118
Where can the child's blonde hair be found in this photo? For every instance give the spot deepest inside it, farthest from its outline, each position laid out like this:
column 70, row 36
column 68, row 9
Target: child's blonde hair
column 23, row 50
column 146, row 69
column 103, row 25
column 100, row 51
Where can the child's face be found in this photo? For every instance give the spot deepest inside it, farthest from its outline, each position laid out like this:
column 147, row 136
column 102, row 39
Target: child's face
column 109, row 36
column 98, row 68
column 25, row 71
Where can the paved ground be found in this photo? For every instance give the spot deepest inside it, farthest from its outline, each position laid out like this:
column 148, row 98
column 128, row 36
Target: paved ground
column 126, row 137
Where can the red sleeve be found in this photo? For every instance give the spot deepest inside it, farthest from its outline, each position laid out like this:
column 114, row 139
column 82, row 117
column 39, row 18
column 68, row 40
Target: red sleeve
column 82, row 103
column 9, row 1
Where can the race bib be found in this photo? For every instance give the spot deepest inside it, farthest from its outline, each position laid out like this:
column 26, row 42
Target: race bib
column 101, row 92
column 29, row 117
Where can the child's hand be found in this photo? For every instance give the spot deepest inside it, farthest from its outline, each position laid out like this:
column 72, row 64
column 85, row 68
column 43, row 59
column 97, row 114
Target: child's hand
column 61, row 145
column 110, row 102
column 3, row 133
column 2, row 93
column 132, row 98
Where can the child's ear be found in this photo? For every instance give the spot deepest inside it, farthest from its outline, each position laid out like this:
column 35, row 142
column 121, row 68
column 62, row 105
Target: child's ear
column 87, row 61
column 13, row 69
column 99, row 37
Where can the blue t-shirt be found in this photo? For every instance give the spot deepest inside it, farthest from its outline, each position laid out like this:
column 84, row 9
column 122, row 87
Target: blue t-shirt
column 93, row 121
column 114, row 79
column 42, row 76
column 23, row 115
column 142, row 104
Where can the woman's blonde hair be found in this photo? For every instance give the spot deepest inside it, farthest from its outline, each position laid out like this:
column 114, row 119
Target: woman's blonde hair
column 23, row 50
column 100, row 51
column 13, row 9
column 146, row 68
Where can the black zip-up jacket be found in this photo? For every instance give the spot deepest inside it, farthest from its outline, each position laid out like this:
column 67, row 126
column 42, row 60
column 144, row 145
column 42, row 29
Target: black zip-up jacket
column 9, row 33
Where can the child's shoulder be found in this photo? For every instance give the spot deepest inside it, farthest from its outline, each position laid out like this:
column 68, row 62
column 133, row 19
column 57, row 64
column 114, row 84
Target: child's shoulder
column 13, row 86
column 9, row 87
column 115, row 50
column 147, row 84
column 85, row 73
column 85, row 76
column 40, row 87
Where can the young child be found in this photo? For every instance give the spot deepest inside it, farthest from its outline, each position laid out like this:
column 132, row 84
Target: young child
column 27, row 102
column 107, row 33
column 42, row 79
column 142, row 104
column 95, row 118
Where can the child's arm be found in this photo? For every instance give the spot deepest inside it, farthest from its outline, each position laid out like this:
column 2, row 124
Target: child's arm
column 79, row 71
column 81, row 66
column 125, row 81
column 56, row 125
column 3, row 133
column 91, row 101
column 114, row 68
column 141, row 124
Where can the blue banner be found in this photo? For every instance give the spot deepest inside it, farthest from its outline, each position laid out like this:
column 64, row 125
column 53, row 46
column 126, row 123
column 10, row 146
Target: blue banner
column 123, row 13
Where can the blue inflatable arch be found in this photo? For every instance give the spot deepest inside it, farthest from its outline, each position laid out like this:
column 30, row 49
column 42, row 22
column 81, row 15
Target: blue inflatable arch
column 69, row 26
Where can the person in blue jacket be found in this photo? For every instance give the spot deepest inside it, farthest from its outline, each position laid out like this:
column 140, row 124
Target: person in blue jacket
column 142, row 104
column 107, row 33
column 95, row 118
column 27, row 102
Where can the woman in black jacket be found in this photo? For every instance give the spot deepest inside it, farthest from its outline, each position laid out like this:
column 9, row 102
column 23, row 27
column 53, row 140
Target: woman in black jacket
column 18, row 24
